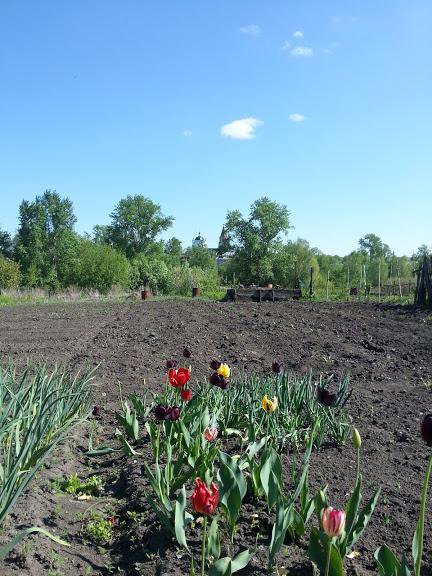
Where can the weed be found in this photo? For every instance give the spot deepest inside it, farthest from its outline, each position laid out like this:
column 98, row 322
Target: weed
column 75, row 486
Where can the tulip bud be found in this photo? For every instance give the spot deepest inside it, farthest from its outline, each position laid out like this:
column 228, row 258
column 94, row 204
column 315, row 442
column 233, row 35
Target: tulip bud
column 224, row 370
column 171, row 364
column 325, row 397
column 210, row 434
column 356, row 438
column 426, row 429
column 97, row 412
column 174, row 413
column 269, row 405
column 333, row 521
column 214, row 364
column 277, row 367
column 187, row 353
column 205, row 500
column 186, row 394
column 161, row 412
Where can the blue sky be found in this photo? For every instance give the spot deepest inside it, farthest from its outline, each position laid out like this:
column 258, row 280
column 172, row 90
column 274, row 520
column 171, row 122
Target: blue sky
column 204, row 106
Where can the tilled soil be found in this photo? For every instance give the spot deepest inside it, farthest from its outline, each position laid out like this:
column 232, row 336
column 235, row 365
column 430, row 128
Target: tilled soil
column 386, row 349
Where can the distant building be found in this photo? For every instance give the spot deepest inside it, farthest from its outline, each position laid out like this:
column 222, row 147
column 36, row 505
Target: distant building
column 199, row 241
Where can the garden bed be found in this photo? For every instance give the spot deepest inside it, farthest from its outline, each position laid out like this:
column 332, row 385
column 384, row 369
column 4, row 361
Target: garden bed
column 387, row 351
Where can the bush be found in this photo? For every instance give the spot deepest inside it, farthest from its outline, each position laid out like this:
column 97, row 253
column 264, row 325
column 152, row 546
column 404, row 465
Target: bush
column 183, row 279
column 10, row 275
column 99, row 267
column 150, row 272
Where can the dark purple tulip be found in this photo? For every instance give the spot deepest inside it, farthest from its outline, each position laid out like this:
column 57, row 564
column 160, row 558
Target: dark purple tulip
column 161, row 412
column 426, row 429
column 214, row 364
column 171, row 364
column 277, row 367
column 218, row 380
column 325, row 397
column 97, row 412
column 174, row 413
column 187, row 353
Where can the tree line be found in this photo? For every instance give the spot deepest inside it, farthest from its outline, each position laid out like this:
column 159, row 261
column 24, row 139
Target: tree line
column 47, row 252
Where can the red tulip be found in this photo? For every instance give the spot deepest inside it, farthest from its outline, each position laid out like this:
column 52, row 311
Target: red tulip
column 205, row 500
column 186, row 394
column 333, row 521
column 178, row 378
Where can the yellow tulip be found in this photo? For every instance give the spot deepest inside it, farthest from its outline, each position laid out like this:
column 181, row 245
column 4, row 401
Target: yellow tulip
column 269, row 405
column 224, row 370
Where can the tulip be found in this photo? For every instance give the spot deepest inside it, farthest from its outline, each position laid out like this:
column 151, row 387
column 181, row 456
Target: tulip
column 333, row 521
column 214, row 364
column 269, row 405
column 277, row 367
column 325, row 397
column 187, row 353
column 205, row 500
column 426, row 429
column 224, row 370
column 161, row 412
column 219, row 381
column 171, row 364
column 186, row 394
column 356, row 438
column 174, row 413
column 210, row 434
column 97, row 412
column 178, row 378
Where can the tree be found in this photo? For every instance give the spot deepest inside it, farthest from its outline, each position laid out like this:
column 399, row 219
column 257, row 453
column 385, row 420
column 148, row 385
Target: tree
column 173, row 251
column 6, row 245
column 135, row 224
column 200, row 257
column 255, row 240
column 293, row 262
column 99, row 267
column 45, row 240
column 373, row 245
column 10, row 276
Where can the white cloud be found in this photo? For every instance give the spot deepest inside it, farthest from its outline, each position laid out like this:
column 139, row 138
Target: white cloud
column 302, row 51
column 296, row 117
column 251, row 30
column 286, row 45
column 187, row 133
column 243, row 129
column 298, row 34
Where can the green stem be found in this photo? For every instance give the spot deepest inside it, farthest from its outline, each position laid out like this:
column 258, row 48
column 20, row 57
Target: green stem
column 267, row 431
column 421, row 519
column 328, row 559
column 358, row 466
column 204, row 541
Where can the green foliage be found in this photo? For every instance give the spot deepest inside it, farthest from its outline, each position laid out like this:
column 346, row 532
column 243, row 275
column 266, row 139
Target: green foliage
column 37, row 409
column 200, row 257
column 99, row 267
column 151, row 272
column 73, row 485
column 99, row 529
column 6, row 245
column 45, row 239
column 10, row 275
column 372, row 245
column 255, row 240
column 135, row 223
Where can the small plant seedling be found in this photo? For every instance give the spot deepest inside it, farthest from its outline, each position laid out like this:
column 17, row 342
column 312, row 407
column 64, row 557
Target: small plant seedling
column 99, row 529
column 73, row 485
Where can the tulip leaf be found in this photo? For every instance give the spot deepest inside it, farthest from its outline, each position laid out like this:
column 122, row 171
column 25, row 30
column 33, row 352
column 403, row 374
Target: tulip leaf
column 284, row 517
column 271, row 476
column 388, row 564
column 363, row 519
column 241, row 560
column 180, row 519
column 213, row 545
column 352, row 509
column 232, row 487
column 318, row 555
column 221, row 567
column 127, row 448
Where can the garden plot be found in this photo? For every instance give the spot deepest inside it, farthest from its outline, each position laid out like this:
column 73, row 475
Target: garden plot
column 115, row 529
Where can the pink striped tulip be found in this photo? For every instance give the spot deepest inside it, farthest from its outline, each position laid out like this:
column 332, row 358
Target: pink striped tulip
column 333, row 521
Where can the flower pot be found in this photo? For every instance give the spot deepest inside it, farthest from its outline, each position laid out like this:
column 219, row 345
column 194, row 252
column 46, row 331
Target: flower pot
column 146, row 294
column 196, row 292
